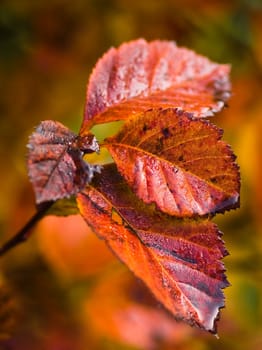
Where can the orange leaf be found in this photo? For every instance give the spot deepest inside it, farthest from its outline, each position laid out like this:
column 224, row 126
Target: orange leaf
column 178, row 162
column 178, row 260
column 140, row 75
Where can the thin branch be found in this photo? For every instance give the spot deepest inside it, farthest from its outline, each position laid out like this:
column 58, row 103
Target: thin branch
column 22, row 235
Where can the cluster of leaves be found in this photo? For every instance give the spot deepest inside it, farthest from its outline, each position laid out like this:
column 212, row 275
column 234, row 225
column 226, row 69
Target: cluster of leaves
column 172, row 172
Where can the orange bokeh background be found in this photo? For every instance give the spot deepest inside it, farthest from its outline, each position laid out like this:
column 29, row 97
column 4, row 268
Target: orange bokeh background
column 64, row 289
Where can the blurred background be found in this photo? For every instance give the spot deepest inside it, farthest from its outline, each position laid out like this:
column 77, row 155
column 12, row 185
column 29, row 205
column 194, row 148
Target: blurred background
column 63, row 289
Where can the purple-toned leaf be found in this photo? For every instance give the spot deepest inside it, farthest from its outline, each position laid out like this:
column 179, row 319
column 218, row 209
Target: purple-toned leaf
column 55, row 165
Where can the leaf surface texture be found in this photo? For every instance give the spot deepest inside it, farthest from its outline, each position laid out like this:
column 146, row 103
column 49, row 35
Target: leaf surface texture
column 179, row 260
column 177, row 162
column 140, row 75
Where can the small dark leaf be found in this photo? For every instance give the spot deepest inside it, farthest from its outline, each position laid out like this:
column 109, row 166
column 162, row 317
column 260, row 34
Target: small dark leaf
column 55, row 165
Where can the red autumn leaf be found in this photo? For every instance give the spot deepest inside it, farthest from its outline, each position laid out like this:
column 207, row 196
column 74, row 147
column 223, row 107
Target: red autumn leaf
column 170, row 157
column 140, row 75
column 55, row 165
column 178, row 162
column 179, row 260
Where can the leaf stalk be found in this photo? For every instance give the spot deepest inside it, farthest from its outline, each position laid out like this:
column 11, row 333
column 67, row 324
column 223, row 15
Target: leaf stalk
column 25, row 232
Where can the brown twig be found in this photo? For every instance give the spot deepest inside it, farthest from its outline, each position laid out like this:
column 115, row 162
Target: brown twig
column 22, row 235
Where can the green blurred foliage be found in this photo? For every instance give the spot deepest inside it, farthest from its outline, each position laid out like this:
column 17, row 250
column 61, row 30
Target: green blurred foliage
column 47, row 51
